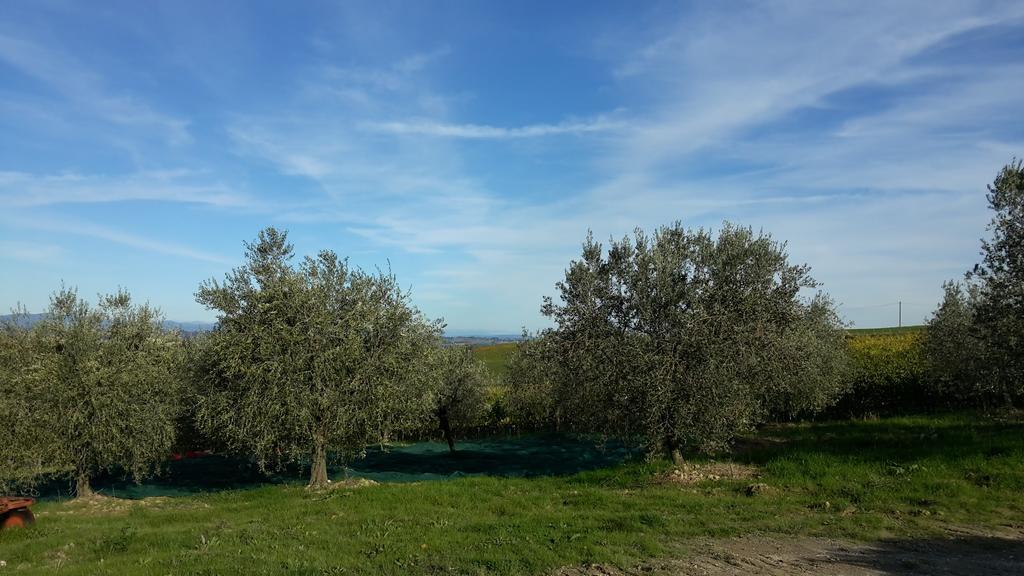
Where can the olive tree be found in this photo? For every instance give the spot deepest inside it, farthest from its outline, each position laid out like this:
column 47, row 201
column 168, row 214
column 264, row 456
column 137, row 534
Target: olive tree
column 975, row 338
column 20, row 460
column 102, row 387
column 955, row 349
column 999, row 314
column 682, row 339
column 532, row 389
column 311, row 360
column 461, row 390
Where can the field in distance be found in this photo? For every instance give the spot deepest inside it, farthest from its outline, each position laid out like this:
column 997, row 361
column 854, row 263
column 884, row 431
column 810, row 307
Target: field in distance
column 496, row 356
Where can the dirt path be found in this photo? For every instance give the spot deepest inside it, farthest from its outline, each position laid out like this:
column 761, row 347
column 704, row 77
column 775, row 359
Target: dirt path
column 964, row 552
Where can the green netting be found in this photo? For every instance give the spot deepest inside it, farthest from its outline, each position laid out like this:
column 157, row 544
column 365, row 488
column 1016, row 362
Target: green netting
column 520, row 456
column 523, row 456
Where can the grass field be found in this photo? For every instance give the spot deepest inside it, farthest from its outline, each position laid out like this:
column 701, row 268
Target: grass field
column 495, row 357
column 890, row 330
column 904, row 478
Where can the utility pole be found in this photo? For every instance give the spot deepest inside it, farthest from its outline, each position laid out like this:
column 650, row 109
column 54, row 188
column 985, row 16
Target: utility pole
column 900, row 324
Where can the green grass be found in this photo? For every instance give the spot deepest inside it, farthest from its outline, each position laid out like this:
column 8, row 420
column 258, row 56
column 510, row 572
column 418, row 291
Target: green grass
column 890, row 330
column 495, row 357
column 905, row 477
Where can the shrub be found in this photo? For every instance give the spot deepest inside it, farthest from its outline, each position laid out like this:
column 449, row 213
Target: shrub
column 887, row 375
column 955, row 349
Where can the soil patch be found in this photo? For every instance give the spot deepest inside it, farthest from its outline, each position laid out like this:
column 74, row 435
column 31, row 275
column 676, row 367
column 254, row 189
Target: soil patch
column 689, row 474
column 964, row 551
column 98, row 504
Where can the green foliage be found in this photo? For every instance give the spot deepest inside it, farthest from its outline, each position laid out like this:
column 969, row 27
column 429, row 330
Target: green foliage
column 999, row 307
column 309, row 360
column 97, row 388
column 887, row 375
column 975, row 343
column 20, row 461
column 955, row 350
column 683, row 340
column 532, row 394
column 461, row 390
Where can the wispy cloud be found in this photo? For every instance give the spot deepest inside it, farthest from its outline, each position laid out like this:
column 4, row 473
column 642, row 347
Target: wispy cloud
column 23, row 190
column 485, row 132
column 75, row 227
column 74, row 81
column 884, row 205
column 35, row 253
column 782, row 57
column 862, row 134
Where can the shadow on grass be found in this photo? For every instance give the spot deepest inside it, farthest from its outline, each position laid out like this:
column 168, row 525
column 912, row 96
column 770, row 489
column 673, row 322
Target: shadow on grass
column 523, row 456
column 975, row 555
column 176, row 478
column 901, row 441
column 950, row 438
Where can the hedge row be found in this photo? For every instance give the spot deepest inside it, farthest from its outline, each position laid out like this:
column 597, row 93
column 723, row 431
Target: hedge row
column 888, row 374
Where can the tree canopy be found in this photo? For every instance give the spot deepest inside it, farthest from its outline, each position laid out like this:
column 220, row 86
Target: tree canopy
column 1000, row 276
column 20, row 461
column 975, row 339
column 682, row 339
column 311, row 360
column 97, row 388
column 461, row 390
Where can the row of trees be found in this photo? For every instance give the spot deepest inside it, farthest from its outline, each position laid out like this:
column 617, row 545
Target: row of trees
column 677, row 340
column 306, row 361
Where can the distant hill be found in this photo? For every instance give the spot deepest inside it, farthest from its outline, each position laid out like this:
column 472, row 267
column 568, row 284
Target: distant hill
column 29, row 320
column 26, row 320
column 194, row 327
column 889, row 330
column 190, row 326
column 481, row 340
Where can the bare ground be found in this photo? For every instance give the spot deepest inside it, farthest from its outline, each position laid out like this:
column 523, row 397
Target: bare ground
column 693, row 473
column 963, row 552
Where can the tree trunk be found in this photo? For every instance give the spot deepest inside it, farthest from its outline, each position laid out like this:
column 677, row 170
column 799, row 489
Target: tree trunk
column 673, row 451
column 82, row 487
column 318, row 471
column 446, row 428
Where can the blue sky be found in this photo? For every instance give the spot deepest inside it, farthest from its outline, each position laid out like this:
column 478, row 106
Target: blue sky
column 471, row 145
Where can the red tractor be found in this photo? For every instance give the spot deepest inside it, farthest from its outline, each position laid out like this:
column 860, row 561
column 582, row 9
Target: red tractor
column 14, row 512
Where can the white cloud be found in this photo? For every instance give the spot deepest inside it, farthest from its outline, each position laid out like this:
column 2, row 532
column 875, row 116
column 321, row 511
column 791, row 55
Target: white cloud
column 885, row 205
